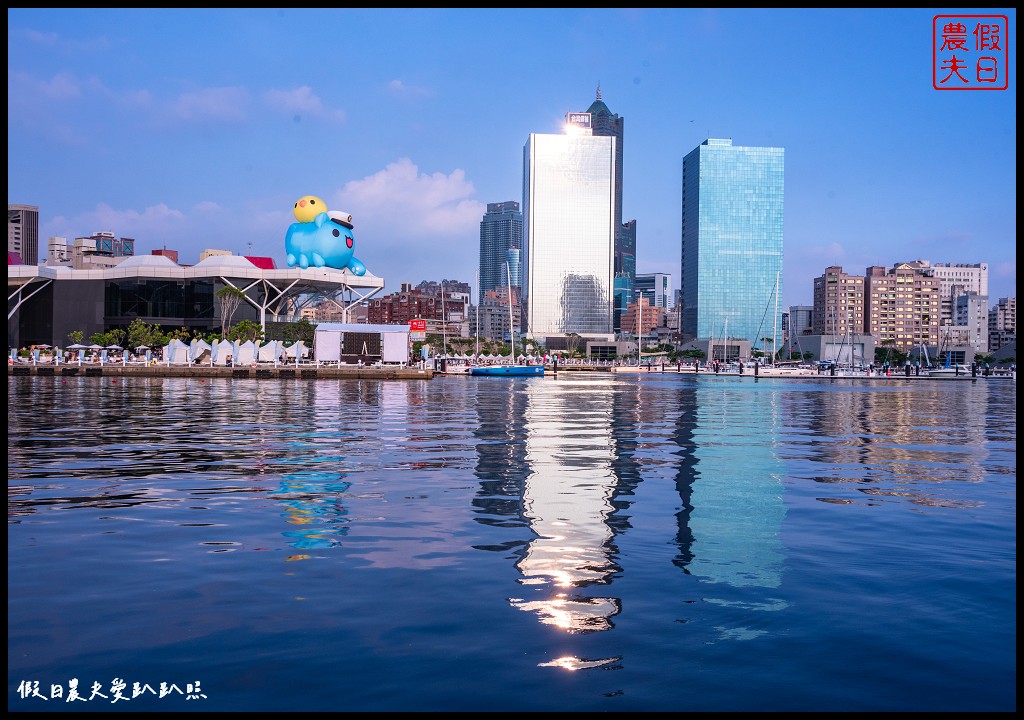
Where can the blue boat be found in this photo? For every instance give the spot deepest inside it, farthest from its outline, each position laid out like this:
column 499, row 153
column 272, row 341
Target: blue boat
column 507, row 370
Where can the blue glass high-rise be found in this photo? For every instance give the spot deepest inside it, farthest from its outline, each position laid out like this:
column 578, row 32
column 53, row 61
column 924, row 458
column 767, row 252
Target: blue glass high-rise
column 501, row 238
column 732, row 238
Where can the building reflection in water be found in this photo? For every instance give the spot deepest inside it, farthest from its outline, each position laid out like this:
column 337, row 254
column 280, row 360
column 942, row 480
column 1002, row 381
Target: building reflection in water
column 567, row 500
column 565, row 460
column 736, row 492
column 905, row 443
column 545, row 462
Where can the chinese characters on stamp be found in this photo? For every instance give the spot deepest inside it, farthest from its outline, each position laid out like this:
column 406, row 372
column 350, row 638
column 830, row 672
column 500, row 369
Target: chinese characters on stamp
column 970, row 52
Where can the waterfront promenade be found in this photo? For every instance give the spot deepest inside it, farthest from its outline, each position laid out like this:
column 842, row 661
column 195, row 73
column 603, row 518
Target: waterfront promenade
column 312, row 371
column 262, row 371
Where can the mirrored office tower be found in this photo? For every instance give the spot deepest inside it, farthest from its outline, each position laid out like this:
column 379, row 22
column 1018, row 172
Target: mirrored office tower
column 501, row 237
column 604, row 122
column 731, row 269
column 568, row 208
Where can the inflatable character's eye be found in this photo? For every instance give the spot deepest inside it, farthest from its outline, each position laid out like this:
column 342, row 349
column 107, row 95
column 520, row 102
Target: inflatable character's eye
column 335, row 232
column 312, row 202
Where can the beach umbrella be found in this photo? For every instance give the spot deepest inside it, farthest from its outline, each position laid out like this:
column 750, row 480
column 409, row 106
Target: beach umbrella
column 44, row 347
column 140, row 348
column 76, row 346
column 95, row 347
column 114, row 347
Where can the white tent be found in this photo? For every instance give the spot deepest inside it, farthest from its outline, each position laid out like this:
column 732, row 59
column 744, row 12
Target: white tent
column 298, row 347
column 176, row 353
column 273, row 351
column 222, row 351
column 199, row 351
column 246, row 353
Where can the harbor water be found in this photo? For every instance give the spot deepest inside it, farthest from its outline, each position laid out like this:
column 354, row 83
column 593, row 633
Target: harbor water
column 575, row 542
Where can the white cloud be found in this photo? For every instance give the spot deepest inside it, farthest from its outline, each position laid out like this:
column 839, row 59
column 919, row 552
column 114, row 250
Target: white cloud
column 413, row 204
column 225, row 103
column 302, row 101
column 400, row 90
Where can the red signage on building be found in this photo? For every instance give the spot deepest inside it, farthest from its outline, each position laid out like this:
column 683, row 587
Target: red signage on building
column 417, row 325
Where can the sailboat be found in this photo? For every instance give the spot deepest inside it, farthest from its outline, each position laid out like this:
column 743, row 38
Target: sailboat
column 513, row 370
column 951, row 370
column 639, row 354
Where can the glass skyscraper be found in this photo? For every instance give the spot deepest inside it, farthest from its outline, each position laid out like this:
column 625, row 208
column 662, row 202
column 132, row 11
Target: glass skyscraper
column 732, row 229
column 501, row 237
column 568, row 254
column 606, row 123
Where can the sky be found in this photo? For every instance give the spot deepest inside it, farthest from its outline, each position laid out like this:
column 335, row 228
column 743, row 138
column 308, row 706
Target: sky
column 189, row 129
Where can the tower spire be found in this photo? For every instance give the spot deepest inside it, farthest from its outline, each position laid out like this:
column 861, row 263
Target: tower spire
column 598, row 89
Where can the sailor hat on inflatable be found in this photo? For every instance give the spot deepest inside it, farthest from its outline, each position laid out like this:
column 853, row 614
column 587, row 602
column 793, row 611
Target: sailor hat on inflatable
column 342, row 218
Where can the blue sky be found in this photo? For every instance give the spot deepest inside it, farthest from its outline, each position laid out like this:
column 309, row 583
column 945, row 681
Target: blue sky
column 192, row 129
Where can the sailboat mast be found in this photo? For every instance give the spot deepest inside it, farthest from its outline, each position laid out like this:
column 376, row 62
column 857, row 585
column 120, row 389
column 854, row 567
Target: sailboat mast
column 511, row 326
column 444, row 325
column 478, row 315
column 775, row 328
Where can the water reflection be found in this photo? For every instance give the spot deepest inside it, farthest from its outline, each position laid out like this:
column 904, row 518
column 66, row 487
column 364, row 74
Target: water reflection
column 314, row 502
column 565, row 459
column 899, row 443
column 736, row 496
column 567, row 502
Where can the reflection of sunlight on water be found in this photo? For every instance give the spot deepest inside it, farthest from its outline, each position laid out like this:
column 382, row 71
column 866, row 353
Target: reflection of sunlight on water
column 577, row 614
column 574, row 663
column 567, row 500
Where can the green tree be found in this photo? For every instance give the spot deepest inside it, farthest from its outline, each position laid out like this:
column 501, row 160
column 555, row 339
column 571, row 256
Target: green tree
column 142, row 333
column 76, row 336
column 302, row 330
column 183, row 334
column 246, row 330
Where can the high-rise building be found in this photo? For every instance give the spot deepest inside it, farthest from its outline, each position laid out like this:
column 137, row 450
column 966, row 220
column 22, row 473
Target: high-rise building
column 902, row 306
column 839, row 303
column 1002, row 323
column 656, row 287
column 732, row 233
column 971, row 313
column 568, row 253
column 955, row 281
column 605, row 123
column 23, row 232
column 501, row 238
